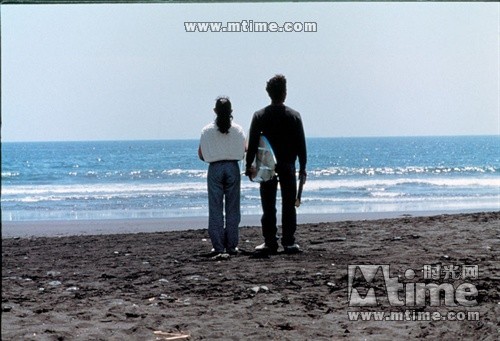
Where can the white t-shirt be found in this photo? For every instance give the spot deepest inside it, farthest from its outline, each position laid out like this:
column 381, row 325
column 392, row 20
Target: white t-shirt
column 216, row 146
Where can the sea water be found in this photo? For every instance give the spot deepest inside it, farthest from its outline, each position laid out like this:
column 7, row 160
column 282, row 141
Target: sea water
column 165, row 179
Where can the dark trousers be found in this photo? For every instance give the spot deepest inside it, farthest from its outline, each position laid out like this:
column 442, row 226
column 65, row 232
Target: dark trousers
column 268, row 190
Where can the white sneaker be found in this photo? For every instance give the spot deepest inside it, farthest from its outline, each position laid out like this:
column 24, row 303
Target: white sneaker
column 261, row 246
column 267, row 249
column 232, row 252
column 290, row 249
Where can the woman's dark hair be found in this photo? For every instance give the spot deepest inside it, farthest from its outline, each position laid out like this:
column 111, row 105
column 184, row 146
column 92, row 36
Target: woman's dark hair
column 276, row 88
column 223, row 110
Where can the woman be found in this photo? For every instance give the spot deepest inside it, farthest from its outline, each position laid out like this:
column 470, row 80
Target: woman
column 222, row 145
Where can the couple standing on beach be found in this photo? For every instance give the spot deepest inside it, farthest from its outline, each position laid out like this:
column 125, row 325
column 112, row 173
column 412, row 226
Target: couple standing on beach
column 222, row 145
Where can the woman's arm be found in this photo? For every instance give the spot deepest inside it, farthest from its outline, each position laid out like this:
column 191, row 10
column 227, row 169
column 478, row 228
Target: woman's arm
column 200, row 154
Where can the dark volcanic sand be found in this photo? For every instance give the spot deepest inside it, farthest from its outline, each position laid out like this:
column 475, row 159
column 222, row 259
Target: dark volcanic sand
column 129, row 286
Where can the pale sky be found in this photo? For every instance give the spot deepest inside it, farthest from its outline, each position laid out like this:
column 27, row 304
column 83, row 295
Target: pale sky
column 131, row 71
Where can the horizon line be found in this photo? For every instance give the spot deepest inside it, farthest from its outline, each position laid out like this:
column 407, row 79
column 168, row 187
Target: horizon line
column 193, row 139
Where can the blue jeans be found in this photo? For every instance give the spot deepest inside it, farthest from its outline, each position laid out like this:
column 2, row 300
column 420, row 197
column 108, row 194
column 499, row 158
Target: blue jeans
column 223, row 182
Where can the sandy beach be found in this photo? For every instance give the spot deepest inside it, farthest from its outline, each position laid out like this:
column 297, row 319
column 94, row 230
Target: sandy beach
column 163, row 286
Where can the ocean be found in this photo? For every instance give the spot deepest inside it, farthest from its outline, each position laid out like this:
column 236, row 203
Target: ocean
column 165, row 179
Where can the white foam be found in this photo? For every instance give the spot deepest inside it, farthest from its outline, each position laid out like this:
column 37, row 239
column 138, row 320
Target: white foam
column 376, row 186
column 317, row 185
column 332, row 171
column 120, row 188
column 10, row 174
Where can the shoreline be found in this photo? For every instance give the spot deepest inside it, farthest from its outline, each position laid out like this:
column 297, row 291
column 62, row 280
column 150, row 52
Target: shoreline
column 59, row 228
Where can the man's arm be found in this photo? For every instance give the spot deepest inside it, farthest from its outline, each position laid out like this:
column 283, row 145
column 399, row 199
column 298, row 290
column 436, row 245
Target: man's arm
column 302, row 151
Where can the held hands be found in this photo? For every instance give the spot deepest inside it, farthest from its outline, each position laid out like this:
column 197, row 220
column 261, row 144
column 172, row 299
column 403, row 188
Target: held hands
column 251, row 172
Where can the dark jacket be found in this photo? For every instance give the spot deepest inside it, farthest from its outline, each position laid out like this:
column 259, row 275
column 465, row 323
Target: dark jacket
column 282, row 126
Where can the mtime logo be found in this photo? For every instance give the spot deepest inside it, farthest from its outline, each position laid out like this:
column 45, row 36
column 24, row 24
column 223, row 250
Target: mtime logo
column 410, row 294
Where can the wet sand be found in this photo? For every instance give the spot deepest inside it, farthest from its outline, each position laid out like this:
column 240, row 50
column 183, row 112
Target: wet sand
column 163, row 285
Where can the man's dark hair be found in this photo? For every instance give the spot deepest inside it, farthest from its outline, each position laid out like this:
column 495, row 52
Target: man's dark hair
column 223, row 110
column 276, row 88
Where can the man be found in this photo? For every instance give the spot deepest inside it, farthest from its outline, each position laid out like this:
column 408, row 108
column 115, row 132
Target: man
column 282, row 126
